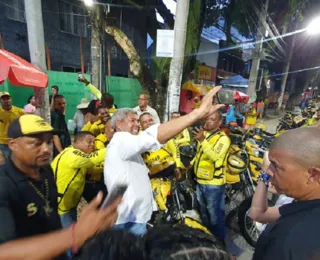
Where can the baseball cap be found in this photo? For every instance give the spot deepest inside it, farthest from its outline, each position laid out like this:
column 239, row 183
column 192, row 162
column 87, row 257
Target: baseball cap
column 29, row 125
column 4, row 93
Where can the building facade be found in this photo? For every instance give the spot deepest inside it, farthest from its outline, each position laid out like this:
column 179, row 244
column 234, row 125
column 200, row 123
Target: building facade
column 65, row 23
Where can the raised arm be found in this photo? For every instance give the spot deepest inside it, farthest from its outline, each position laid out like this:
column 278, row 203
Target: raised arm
column 260, row 210
column 53, row 244
column 170, row 129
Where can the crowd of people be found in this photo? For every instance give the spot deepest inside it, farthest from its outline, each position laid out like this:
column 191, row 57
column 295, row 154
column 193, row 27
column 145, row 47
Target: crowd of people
column 45, row 175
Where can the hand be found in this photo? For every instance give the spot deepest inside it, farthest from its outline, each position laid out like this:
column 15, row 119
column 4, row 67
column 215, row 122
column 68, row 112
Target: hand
column 178, row 174
column 207, row 108
column 190, row 166
column 83, row 80
column 92, row 118
column 198, row 134
column 93, row 219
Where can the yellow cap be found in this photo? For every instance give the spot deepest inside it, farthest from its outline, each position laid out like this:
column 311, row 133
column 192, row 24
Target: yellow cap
column 29, row 125
column 4, row 93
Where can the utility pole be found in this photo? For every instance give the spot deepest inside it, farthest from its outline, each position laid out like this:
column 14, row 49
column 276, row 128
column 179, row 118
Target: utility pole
column 37, row 51
column 97, row 32
column 176, row 66
column 285, row 73
column 251, row 92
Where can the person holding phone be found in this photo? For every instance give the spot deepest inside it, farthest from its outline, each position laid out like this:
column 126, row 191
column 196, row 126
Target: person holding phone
column 124, row 164
column 208, row 166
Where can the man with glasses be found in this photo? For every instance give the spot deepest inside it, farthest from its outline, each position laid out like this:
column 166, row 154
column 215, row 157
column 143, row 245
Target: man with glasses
column 144, row 107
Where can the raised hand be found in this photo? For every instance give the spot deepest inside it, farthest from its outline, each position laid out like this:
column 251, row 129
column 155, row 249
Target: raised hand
column 93, row 219
column 207, row 107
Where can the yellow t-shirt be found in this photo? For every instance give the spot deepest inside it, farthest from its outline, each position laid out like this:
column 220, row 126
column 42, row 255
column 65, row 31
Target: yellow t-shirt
column 96, row 128
column 101, row 142
column 6, row 118
column 251, row 117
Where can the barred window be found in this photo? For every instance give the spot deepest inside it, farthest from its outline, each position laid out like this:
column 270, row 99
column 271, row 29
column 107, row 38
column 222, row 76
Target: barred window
column 73, row 19
column 15, row 10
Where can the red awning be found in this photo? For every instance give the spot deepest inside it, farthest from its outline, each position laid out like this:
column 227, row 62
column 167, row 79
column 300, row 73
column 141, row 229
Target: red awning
column 19, row 72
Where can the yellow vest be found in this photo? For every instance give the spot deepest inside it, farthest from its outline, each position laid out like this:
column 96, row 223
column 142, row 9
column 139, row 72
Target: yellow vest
column 210, row 160
column 112, row 110
column 70, row 168
column 101, row 141
column 96, row 128
column 183, row 138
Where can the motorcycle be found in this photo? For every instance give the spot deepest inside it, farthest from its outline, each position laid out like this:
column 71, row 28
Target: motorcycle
column 291, row 121
column 176, row 203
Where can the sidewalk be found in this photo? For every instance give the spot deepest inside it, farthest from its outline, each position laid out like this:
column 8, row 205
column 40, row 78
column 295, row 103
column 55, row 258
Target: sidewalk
column 271, row 120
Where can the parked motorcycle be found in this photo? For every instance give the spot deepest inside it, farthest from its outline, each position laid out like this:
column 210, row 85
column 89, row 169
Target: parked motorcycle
column 175, row 201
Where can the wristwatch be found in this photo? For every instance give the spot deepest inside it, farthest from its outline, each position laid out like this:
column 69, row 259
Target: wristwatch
column 264, row 177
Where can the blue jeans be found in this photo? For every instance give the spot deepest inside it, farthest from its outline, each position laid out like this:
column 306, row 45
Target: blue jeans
column 138, row 229
column 67, row 220
column 5, row 150
column 212, row 208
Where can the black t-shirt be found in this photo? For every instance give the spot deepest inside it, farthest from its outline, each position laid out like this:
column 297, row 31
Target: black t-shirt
column 295, row 235
column 58, row 123
column 22, row 211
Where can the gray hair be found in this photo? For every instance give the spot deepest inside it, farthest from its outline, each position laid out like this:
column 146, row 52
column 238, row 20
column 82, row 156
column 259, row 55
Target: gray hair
column 120, row 115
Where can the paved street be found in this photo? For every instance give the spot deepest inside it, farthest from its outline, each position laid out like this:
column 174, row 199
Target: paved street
column 235, row 242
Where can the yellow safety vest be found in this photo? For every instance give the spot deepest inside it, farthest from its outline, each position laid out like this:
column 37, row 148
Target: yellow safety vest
column 210, row 160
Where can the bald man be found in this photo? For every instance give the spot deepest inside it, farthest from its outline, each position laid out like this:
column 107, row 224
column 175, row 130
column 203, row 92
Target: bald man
column 295, row 169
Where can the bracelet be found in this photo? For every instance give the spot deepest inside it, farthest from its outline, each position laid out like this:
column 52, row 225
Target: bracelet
column 264, row 177
column 74, row 246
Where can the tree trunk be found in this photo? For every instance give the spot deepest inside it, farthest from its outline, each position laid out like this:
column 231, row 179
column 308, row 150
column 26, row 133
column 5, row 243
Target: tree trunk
column 136, row 65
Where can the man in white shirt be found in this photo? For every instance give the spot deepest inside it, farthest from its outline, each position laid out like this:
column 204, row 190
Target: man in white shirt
column 143, row 107
column 124, row 164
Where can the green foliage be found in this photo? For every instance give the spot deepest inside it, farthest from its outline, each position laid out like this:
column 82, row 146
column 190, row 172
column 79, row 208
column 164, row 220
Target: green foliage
column 193, row 36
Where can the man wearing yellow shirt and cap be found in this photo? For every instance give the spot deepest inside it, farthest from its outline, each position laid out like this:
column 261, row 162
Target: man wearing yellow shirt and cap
column 8, row 113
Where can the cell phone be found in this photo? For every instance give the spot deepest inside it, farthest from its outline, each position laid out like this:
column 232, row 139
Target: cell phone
column 197, row 125
column 117, row 192
column 80, row 76
column 224, row 96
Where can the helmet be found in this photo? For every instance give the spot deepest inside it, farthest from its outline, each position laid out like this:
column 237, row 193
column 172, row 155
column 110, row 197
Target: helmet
column 261, row 126
column 235, row 164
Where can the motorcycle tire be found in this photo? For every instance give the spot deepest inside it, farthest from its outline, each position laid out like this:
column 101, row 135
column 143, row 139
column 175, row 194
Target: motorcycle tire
column 242, row 218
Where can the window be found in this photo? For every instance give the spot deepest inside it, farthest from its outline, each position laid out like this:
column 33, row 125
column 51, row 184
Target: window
column 15, row 10
column 73, row 19
column 70, row 69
